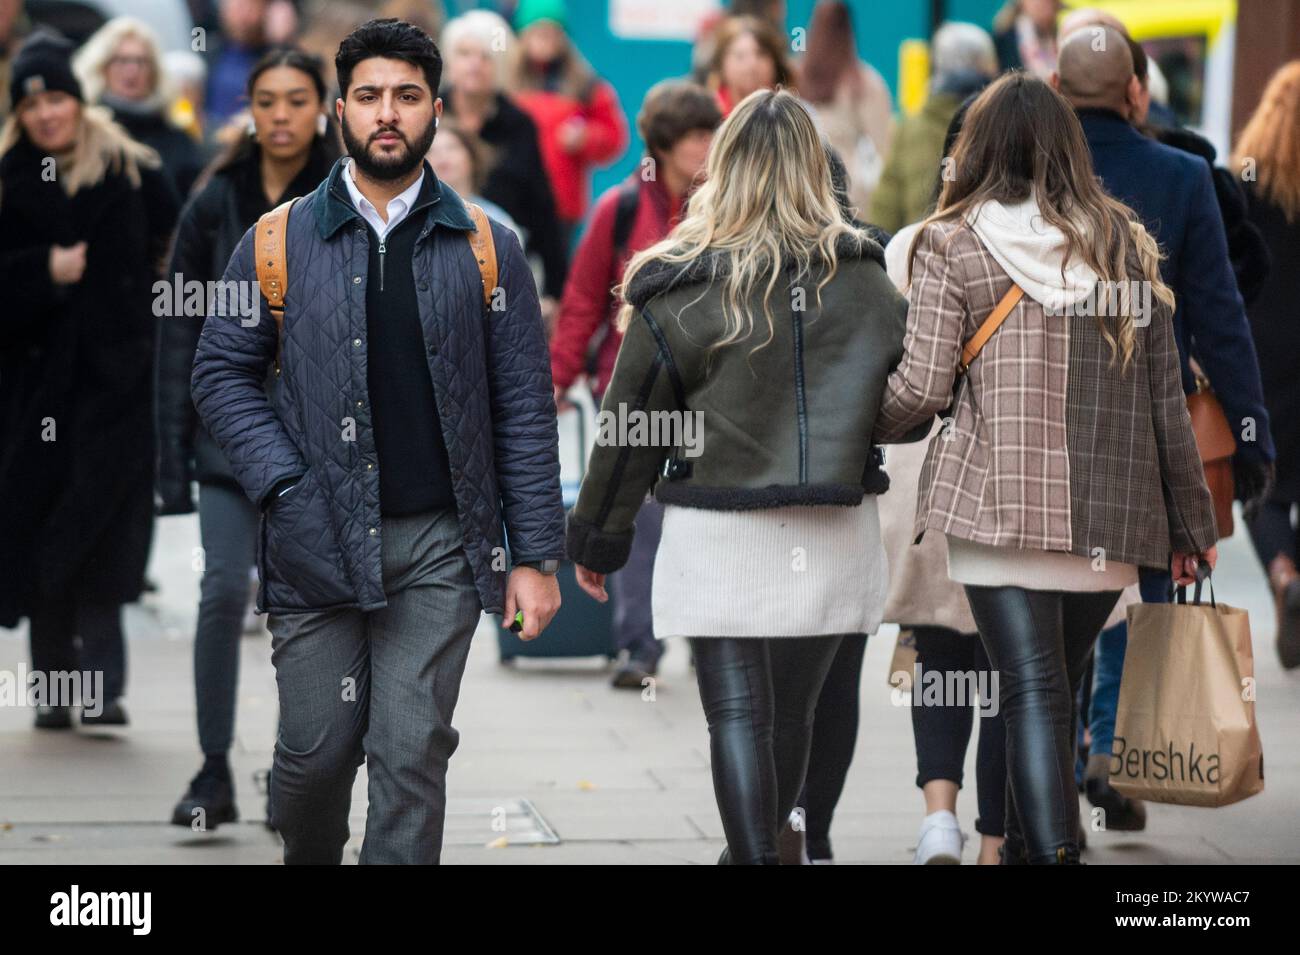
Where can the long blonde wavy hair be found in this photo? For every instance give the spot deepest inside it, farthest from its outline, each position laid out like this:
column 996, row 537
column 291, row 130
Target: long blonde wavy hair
column 767, row 206
column 1019, row 138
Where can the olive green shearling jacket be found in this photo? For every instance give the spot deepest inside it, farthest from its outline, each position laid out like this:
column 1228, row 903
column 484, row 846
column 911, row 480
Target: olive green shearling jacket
column 734, row 428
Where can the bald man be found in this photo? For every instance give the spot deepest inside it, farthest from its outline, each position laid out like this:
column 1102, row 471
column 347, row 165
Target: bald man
column 1094, row 70
column 1086, row 17
column 1173, row 192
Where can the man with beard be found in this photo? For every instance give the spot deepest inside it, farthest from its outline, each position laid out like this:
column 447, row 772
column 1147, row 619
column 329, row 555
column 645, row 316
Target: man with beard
column 408, row 433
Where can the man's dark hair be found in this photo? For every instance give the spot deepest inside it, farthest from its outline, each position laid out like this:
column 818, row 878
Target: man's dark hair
column 393, row 40
column 671, row 110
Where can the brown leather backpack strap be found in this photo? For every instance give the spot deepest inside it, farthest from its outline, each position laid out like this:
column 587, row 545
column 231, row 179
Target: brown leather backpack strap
column 484, row 249
column 991, row 324
column 272, row 265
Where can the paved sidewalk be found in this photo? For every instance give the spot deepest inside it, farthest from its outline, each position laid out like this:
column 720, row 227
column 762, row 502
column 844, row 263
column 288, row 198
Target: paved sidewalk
column 614, row 777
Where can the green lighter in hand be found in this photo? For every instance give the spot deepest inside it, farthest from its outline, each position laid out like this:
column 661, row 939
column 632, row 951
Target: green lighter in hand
column 518, row 625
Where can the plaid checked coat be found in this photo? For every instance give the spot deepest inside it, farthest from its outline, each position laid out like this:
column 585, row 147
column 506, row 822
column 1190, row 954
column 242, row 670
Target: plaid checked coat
column 1048, row 444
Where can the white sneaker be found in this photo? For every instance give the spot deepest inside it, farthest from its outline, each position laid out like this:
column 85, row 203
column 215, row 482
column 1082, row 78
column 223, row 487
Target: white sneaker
column 940, row 841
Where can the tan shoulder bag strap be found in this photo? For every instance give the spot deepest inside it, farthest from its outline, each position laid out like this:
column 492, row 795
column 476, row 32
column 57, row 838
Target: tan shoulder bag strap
column 991, row 324
column 484, row 249
column 272, row 267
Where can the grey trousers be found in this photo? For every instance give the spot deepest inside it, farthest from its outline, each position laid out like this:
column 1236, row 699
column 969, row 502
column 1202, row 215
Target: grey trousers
column 632, row 587
column 228, row 532
column 378, row 686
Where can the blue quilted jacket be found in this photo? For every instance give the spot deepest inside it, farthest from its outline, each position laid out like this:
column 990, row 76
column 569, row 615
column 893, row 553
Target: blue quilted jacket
column 319, row 546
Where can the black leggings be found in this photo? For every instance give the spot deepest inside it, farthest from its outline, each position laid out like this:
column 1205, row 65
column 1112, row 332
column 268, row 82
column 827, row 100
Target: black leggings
column 1039, row 642
column 942, row 733
column 759, row 696
column 1272, row 532
column 834, row 737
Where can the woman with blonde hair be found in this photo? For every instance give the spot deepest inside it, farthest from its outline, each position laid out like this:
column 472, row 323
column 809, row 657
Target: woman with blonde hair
column 1066, row 457
column 757, row 339
column 121, row 67
column 85, row 217
column 1268, row 158
column 478, row 50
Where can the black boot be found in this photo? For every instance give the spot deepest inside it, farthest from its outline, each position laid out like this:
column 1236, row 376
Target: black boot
column 1122, row 814
column 53, row 717
column 1067, row 854
column 1013, row 851
column 112, row 714
column 209, row 801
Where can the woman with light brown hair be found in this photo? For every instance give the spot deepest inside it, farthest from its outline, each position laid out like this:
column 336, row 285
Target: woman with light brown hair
column 1066, row 458
column 1267, row 158
column 748, row 55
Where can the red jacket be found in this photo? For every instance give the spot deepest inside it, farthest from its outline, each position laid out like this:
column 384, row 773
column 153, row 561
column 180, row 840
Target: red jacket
column 607, row 137
column 588, row 301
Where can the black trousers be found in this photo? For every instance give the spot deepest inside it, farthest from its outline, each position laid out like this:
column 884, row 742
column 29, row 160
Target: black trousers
column 55, row 628
column 1271, row 530
column 759, row 696
column 942, row 733
column 834, row 737
column 1039, row 642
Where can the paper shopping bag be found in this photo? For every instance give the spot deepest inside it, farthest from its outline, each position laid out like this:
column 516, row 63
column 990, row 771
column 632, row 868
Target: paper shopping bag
column 1185, row 731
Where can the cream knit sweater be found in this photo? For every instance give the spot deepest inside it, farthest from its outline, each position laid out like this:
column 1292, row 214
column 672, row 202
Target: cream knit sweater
column 794, row 571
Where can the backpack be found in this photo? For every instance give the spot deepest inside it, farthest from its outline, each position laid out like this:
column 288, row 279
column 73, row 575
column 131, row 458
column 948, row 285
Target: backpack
column 272, row 267
column 629, row 196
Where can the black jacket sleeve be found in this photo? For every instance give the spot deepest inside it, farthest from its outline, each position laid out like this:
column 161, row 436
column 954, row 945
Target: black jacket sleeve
column 543, row 224
column 178, row 340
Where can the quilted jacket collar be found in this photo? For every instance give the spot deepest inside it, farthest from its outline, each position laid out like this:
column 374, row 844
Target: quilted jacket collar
column 334, row 208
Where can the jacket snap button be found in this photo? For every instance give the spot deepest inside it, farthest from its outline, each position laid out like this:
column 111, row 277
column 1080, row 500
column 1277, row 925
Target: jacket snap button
column 356, row 280
column 433, row 349
column 373, row 532
column 370, row 466
column 356, row 342
column 360, row 404
column 424, row 286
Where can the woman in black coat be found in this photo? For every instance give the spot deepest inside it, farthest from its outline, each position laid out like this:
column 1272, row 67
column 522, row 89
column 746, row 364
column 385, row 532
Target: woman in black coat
column 120, row 67
column 288, row 152
column 473, row 94
column 1269, row 150
column 85, row 215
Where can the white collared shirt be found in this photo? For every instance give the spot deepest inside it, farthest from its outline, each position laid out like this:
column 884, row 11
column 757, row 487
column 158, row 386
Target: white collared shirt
column 398, row 206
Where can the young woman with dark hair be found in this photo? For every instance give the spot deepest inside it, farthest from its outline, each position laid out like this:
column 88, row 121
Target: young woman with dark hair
column 287, row 149
column 1067, row 458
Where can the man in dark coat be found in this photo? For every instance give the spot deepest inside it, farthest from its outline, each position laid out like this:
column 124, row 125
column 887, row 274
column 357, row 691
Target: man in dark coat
column 1173, row 192
column 410, row 432
column 85, row 215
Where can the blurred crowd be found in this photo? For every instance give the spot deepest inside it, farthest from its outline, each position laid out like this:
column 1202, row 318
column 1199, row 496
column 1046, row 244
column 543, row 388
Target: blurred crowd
column 166, row 156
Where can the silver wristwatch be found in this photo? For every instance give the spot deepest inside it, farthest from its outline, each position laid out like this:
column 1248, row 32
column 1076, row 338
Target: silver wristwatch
column 551, row 566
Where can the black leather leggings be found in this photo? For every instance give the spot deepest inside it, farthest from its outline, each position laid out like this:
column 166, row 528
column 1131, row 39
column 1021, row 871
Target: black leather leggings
column 759, row 696
column 1039, row 643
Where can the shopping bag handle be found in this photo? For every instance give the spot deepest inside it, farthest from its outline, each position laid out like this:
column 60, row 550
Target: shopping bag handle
column 1178, row 594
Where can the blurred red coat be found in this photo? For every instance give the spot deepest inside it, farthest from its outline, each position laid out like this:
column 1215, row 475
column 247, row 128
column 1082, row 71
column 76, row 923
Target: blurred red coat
column 588, row 301
column 607, row 137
